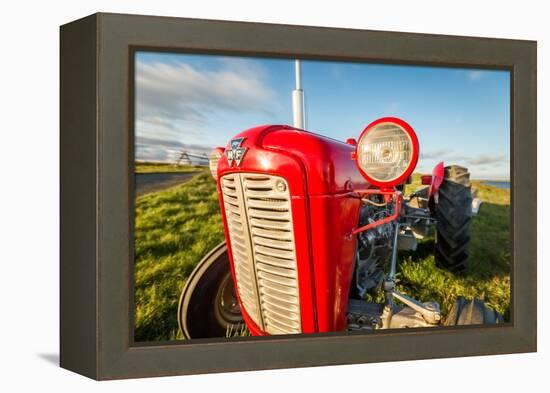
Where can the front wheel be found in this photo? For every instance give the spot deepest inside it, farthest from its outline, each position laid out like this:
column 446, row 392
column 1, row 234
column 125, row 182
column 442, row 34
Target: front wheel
column 208, row 304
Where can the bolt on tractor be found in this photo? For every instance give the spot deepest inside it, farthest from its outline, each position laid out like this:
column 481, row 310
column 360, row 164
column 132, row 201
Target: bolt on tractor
column 313, row 227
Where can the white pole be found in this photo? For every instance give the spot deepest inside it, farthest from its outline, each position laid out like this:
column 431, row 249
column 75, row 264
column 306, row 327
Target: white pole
column 298, row 99
column 298, row 75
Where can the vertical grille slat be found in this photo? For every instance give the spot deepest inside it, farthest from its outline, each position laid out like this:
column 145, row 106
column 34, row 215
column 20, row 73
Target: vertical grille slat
column 263, row 249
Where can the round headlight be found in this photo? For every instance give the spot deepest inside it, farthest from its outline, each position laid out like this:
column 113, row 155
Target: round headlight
column 215, row 156
column 387, row 152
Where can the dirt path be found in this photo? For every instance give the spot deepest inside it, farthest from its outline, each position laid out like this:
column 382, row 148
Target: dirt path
column 151, row 182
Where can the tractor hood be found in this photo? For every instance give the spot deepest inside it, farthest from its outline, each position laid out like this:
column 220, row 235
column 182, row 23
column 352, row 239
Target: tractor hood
column 311, row 163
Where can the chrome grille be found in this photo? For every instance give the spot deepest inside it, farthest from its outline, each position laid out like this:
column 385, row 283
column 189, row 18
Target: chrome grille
column 259, row 219
column 213, row 163
column 240, row 245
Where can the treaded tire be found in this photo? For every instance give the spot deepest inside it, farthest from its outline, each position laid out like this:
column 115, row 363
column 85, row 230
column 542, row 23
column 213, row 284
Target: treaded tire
column 453, row 212
column 473, row 312
column 201, row 310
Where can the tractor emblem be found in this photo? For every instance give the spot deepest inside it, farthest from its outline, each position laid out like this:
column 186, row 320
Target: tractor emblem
column 236, row 152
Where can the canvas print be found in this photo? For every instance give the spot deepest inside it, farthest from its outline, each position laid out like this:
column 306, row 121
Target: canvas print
column 296, row 196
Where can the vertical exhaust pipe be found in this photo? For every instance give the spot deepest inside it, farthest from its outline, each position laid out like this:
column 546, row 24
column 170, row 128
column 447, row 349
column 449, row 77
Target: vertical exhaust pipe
column 298, row 100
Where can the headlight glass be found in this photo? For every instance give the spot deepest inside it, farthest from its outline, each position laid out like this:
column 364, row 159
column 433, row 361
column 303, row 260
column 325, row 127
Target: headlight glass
column 385, row 152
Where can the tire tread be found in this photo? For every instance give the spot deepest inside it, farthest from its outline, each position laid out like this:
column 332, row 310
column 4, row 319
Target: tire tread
column 453, row 212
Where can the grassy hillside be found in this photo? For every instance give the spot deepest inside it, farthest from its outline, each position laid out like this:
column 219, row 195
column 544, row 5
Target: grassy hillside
column 156, row 167
column 176, row 227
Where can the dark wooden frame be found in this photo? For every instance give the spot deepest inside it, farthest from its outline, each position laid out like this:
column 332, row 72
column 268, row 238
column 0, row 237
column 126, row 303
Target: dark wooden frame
column 97, row 195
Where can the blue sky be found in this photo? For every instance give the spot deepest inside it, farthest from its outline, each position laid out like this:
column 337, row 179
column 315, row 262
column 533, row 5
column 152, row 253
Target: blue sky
column 196, row 102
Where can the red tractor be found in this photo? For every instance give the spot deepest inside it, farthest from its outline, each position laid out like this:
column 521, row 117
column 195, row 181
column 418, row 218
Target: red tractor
column 312, row 225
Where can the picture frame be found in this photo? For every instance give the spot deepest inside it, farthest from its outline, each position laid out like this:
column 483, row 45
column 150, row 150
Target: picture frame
column 96, row 262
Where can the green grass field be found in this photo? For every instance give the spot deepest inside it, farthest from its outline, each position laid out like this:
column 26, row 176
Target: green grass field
column 488, row 273
column 176, row 227
column 157, row 167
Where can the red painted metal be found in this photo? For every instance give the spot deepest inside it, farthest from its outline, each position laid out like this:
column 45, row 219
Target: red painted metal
column 333, row 218
column 395, row 197
column 438, row 174
column 325, row 188
column 409, row 130
column 426, row 180
column 321, row 179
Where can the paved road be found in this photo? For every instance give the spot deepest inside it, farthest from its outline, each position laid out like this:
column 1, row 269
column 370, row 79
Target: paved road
column 151, row 182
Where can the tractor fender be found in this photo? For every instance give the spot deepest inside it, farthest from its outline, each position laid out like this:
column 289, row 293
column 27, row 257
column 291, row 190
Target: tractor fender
column 438, row 174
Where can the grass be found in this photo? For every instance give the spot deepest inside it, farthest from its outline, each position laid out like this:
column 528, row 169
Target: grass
column 158, row 167
column 176, row 227
column 488, row 274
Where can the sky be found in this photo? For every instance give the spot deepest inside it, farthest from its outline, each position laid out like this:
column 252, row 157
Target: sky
column 196, row 102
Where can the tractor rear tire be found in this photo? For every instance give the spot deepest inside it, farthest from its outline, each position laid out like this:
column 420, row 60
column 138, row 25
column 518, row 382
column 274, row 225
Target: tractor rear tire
column 473, row 312
column 208, row 305
column 453, row 212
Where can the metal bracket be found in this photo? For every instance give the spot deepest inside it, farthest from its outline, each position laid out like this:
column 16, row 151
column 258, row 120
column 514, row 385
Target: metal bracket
column 429, row 311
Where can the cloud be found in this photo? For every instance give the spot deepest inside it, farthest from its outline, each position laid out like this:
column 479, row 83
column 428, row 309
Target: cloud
column 435, row 154
column 336, row 71
column 487, row 159
column 392, row 108
column 475, row 74
column 175, row 100
column 484, row 166
column 172, row 144
column 157, row 149
column 448, row 155
column 183, row 92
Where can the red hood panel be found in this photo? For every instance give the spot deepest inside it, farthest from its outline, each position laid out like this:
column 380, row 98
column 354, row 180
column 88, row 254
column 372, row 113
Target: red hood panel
column 326, row 162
